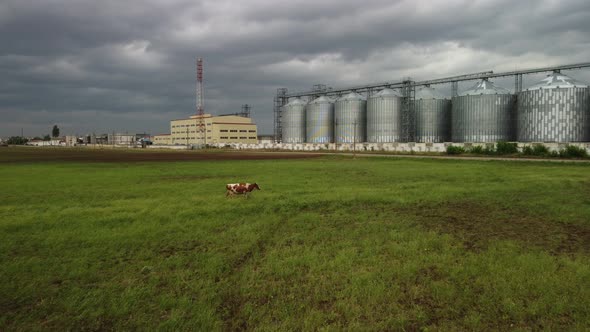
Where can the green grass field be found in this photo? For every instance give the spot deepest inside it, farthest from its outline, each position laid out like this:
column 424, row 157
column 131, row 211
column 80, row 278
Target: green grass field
column 328, row 243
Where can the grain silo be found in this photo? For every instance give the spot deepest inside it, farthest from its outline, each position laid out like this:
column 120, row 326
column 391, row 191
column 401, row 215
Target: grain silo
column 320, row 120
column 554, row 110
column 350, row 118
column 433, row 116
column 384, row 115
column 293, row 121
column 484, row 113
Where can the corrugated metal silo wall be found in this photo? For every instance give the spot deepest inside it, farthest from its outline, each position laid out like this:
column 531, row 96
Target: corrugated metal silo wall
column 433, row 120
column 554, row 115
column 483, row 118
column 384, row 119
column 346, row 114
column 293, row 123
column 320, row 123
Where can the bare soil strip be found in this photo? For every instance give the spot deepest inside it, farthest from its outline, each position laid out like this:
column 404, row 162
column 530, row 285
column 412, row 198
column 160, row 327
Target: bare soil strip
column 132, row 156
column 476, row 226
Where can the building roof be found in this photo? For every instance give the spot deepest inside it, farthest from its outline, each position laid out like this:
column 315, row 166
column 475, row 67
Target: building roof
column 386, row 93
column 557, row 80
column 353, row 96
column 206, row 115
column 185, row 119
column 322, row 100
column 296, row 101
column 235, row 123
column 427, row 92
column 485, row 87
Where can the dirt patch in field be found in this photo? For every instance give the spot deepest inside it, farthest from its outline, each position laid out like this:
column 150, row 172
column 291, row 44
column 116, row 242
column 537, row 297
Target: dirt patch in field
column 181, row 248
column 477, row 224
column 16, row 155
column 188, row 177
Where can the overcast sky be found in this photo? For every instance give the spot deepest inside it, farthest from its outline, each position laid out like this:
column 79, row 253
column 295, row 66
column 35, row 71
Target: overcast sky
column 129, row 65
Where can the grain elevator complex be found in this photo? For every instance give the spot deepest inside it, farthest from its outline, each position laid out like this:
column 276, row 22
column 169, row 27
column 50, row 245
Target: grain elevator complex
column 555, row 110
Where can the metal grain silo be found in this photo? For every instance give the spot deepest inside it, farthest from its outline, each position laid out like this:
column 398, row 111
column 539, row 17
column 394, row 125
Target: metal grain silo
column 293, row 121
column 350, row 118
column 433, row 116
column 384, row 115
column 554, row 110
column 484, row 113
column 320, row 120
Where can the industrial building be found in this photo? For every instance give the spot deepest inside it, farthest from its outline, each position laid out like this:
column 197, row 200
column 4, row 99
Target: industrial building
column 484, row 113
column 209, row 129
column 121, row 139
column 350, row 118
column 202, row 128
column 162, row 139
column 294, row 121
column 433, row 116
column 384, row 117
column 555, row 110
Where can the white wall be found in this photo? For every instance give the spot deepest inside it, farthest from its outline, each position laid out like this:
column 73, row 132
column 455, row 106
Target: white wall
column 387, row 147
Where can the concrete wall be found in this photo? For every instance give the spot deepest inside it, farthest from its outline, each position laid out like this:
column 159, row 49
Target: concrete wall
column 385, row 147
column 53, row 142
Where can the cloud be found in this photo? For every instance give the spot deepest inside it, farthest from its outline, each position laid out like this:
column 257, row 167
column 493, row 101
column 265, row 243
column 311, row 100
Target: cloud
column 130, row 65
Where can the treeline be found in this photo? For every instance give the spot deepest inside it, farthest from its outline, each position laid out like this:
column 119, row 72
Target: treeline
column 17, row 140
column 507, row 148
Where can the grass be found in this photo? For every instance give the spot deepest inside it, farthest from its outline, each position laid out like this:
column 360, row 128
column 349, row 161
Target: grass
column 328, row 243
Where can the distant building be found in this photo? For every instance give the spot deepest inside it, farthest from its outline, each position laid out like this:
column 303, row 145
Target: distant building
column 95, row 139
column 162, row 139
column 121, row 139
column 71, row 140
column 144, row 137
column 217, row 129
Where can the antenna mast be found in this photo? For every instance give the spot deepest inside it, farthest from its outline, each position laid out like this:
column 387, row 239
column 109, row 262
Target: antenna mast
column 200, row 109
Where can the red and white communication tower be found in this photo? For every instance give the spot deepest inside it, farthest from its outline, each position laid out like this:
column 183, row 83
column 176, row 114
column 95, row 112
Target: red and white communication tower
column 200, row 109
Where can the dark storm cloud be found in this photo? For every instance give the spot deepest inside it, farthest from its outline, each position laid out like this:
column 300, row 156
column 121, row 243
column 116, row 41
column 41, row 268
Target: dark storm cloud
column 130, row 65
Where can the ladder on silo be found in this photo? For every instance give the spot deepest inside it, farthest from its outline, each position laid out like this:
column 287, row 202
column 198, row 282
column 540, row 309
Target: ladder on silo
column 279, row 101
column 408, row 112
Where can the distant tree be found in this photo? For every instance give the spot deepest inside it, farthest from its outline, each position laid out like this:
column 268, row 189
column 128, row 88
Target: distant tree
column 17, row 140
column 47, row 138
column 55, row 131
column 37, row 138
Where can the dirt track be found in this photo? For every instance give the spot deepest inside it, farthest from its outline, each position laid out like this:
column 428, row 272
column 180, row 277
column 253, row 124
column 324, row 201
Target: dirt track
column 12, row 155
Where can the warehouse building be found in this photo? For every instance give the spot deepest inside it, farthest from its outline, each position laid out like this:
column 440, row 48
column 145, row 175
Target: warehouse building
column 217, row 129
column 121, row 139
column 162, row 139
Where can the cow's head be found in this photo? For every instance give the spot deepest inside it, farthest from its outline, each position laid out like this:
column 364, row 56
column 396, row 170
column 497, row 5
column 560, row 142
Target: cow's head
column 254, row 186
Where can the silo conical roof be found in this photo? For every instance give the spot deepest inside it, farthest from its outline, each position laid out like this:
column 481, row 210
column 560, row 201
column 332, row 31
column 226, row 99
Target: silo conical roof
column 485, row 87
column 427, row 92
column 387, row 93
column 353, row 96
column 296, row 101
column 322, row 100
column 557, row 80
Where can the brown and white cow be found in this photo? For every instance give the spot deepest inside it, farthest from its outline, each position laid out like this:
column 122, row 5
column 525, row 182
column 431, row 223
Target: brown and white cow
column 240, row 188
